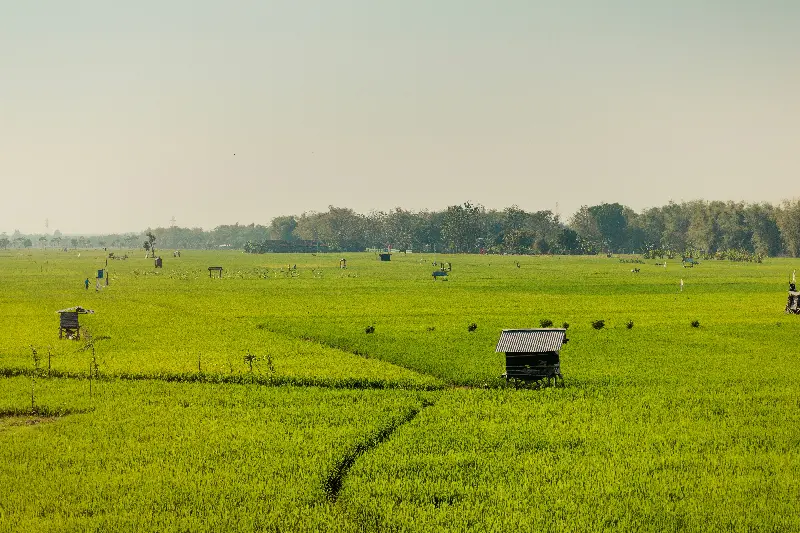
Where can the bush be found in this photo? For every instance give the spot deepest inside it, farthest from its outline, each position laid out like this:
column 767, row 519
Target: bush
column 629, row 325
column 545, row 323
column 370, row 329
column 565, row 325
column 695, row 323
column 599, row 324
column 472, row 327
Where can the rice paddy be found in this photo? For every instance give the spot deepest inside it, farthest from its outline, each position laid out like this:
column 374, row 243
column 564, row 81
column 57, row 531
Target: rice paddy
column 258, row 401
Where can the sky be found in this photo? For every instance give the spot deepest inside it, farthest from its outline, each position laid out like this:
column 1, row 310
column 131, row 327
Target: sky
column 119, row 116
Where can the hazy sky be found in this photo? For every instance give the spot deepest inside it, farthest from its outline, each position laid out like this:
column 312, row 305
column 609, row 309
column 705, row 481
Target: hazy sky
column 116, row 116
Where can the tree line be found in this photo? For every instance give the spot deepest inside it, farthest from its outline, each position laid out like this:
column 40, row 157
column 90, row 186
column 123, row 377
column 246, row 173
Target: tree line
column 697, row 228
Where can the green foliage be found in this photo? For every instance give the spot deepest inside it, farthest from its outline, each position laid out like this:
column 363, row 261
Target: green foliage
column 661, row 428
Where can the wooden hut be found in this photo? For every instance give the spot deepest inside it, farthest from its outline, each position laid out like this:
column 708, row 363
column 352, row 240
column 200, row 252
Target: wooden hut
column 532, row 354
column 68, row 322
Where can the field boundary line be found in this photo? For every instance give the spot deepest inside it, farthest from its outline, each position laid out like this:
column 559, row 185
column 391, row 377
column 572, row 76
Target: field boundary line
column 320, row 342
column 332, row 485
column 234, row 379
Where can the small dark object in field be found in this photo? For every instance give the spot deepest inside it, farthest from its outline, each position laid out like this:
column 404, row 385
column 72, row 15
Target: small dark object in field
column 565, row 325
column 629, row 325
column 695, row 323
column 472, row 327
column 599, row 324
column 545, row 323
column 430, row 328
column 370, row 329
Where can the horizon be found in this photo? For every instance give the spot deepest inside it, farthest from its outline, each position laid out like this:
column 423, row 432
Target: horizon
column 564, row 219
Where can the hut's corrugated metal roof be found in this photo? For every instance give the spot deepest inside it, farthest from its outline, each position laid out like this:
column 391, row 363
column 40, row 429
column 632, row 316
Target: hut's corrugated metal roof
column 531, row 340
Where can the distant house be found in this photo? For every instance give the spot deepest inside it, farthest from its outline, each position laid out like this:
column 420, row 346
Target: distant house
column 532, row 354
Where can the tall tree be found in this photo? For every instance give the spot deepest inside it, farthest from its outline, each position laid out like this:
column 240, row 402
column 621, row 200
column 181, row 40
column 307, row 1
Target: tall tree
column 612, row 224
column 676, row 225
column 282, row 228
column 788, row 219
column 766, row 236
column 585, row 226
column 463, row 226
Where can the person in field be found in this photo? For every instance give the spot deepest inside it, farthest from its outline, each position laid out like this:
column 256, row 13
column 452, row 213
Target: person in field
column 86, row 283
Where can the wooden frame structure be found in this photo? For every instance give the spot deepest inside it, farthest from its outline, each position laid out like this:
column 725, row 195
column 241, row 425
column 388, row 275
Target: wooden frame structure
column 533, row 354
column 69, row 323
column 793, row 304
column 215, row 269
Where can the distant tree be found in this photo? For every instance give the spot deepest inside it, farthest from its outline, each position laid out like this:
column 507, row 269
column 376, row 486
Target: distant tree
column 676, row 225
column 4, row 242
column 74, row 242
column 150, row 244
column 702, row 233
column 788, row 220
column 584, row 224
column 462, row 226
column 282, row 228
column 766, row 236
column 568, row 241
column 26, row 242
column 42, row 241
column 612, row 225
column 733, row 231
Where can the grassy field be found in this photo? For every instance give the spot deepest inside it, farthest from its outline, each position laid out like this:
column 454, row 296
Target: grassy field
column 258, row 402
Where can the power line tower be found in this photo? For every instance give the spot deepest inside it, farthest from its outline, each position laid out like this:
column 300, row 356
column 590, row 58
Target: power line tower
column 172, row 222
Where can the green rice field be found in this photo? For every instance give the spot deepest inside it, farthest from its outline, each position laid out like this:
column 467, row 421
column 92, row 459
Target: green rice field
column 258, row 402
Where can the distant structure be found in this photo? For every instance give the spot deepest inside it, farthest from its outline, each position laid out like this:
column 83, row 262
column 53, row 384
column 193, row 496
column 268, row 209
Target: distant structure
column 215, row 269
column 793, row 303
column 385, row 256
column 533, row 354
column 68, row 322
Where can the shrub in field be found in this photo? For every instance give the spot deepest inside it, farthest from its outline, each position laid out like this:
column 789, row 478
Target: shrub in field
column 545, row 323
column 472, row 327
column 695, row 323
column 599, row 324
column 369, row 329
column 629, row 324
column 249, row 358
column 565, row 325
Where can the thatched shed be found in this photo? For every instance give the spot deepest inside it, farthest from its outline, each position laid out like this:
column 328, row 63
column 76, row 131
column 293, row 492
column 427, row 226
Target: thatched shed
column 532, row 354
